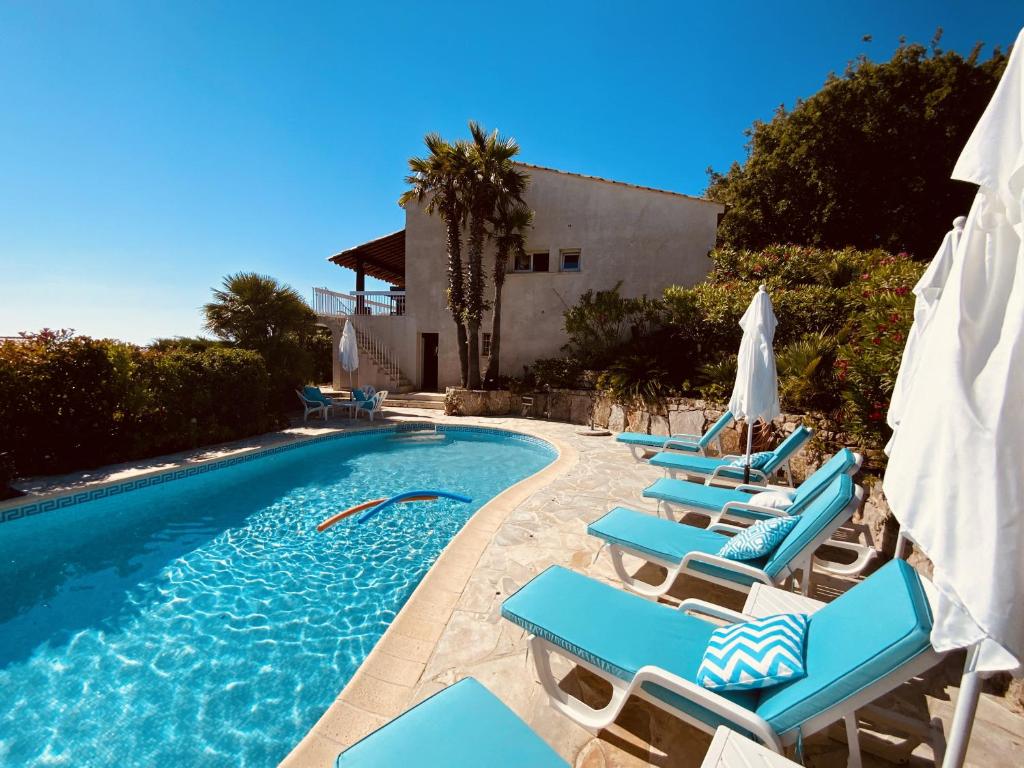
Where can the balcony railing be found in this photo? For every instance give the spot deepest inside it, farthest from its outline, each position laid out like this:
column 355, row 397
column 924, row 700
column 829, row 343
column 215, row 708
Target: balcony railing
column 334, row 304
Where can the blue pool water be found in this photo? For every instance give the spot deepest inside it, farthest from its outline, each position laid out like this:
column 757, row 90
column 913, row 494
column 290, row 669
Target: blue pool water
column 204, row 621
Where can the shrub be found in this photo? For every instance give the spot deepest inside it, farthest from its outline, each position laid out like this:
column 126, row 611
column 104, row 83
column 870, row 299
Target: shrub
column 556, row 373
column 71, row 402
column 867, row 363
column 602, row 322
column 636, row 378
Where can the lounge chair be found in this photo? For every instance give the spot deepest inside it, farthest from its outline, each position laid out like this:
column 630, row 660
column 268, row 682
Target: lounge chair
column 642, row 446
column 720, row 503
column 462, row 726
column 729, row 468
column 314, row 401
column 859, row 647
column 694, row 551
column 373, row 405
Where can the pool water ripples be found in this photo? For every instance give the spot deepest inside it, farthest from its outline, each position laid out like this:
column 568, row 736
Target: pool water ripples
column 205, row 621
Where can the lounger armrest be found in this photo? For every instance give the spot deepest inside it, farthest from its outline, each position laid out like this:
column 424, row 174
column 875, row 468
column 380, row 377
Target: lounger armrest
column 731, row 530
column 742, row 718
column 756, row 475
column 703, row 608
column 673, row 442
column 725, row 563
column 864, row 553
column 755, row 508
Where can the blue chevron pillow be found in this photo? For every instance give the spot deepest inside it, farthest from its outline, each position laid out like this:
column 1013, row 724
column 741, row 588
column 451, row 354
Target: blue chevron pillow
column 759, row 539
column 755, row 654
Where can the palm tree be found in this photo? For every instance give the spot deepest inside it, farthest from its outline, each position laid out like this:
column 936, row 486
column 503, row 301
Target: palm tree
column 437, row 178
column 509, row 225
column 490, row 177
column 253, row 310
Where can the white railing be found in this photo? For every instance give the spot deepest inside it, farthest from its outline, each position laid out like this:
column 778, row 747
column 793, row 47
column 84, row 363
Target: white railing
column 334, row 304
column 386, row 360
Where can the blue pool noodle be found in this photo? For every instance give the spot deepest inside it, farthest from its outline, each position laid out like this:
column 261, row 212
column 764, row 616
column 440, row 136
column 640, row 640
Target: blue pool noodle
column 406, row 494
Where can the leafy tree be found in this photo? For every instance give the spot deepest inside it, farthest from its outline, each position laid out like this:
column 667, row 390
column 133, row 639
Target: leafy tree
column 865, row 161
column 438, row 179
column 491, row 178
column 256, row 312
column 509, row 224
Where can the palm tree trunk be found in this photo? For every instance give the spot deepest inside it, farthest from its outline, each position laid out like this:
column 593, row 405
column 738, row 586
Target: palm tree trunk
column 456, row 290
column 494, row 361
column 475, row 294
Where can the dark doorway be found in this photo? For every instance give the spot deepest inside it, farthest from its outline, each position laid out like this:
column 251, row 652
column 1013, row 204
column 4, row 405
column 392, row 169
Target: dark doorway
column 429, row 362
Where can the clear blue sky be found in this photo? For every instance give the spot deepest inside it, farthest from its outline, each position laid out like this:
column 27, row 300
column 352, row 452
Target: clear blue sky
column 147, row 149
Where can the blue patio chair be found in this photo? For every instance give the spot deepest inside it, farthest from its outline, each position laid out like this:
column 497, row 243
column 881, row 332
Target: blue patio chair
column 314, row 401
column 694, row 551
column 729, row 468
column 858, row 648
column 463, row 726
column 641, row 445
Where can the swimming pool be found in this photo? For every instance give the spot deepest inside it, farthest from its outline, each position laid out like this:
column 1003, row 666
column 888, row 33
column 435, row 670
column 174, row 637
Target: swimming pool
column 204, row 621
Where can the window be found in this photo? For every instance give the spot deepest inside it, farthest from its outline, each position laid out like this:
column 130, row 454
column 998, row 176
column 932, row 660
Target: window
column 485, row 348
column 570, row 260
column 538, row 261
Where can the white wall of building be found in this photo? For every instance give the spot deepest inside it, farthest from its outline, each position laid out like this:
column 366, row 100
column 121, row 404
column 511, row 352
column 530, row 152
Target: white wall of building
column 646, row 239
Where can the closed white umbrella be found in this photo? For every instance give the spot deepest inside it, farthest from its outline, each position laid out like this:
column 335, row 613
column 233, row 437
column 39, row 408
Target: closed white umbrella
column 927, row 293
column 955, row 480
column 348, row 349
column 756, row 392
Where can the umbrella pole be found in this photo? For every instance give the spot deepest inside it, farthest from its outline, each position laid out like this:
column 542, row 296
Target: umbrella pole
column 963, row 715
column 750, row 444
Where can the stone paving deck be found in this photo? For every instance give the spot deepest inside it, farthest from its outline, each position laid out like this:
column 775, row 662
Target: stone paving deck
column 451, row 626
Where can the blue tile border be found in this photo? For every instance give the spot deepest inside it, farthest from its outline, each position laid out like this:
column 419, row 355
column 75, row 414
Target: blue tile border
column 63, row 500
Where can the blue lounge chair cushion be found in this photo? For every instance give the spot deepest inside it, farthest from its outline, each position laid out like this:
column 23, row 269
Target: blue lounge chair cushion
column 462, row 726
column 718, row 426
column 358, row 394
column 758, row 540
column 709, row 497
column 826, row 512
column 862, row 636
column 617, row 632
column 840, row 463
column 755, row 654
column 314, row 394
column 665, row 540
column 701, row 465
column 650, row 441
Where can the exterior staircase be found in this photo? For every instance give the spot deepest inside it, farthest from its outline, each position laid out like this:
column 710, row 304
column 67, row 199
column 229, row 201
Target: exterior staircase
column 432, row 401
column 385, row 360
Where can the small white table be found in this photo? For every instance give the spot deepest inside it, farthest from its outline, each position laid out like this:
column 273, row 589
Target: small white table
column 764, row 600
column 730, row 750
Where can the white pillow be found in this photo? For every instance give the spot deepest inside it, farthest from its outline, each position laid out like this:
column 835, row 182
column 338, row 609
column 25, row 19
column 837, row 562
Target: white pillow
column 772, row 499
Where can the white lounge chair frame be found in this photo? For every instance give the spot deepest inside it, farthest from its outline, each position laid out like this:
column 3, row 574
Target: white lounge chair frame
column 740, row 717
column 313, row 406
column 679, row 442
column 802, row 563
column 376, row 405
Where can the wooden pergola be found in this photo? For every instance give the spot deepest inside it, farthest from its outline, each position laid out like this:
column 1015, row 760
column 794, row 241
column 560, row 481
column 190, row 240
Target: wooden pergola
column 383, row 258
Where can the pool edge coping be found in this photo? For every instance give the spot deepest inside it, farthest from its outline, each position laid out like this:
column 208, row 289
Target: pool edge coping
column 384, row 684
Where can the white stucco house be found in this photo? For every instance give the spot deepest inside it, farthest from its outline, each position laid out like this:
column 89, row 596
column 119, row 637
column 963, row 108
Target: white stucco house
column 588, row 233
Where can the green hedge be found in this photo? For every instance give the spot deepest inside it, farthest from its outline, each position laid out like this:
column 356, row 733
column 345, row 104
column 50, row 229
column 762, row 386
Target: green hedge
column 843, row 319
column 68, row 403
